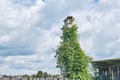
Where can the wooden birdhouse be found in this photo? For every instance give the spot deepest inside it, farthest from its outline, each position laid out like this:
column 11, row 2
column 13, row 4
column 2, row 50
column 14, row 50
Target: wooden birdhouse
column 68, row 22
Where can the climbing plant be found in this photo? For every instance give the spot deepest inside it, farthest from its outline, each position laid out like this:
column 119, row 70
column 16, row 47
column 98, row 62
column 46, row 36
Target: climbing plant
column 71, row 59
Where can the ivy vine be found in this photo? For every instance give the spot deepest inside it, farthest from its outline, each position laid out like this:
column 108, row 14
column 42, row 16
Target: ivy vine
column 71, row 59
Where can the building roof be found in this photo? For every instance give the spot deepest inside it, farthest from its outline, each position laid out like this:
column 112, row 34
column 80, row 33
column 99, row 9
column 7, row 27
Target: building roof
column 108, row 61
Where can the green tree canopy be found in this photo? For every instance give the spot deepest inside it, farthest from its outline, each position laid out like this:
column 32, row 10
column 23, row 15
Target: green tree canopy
column 40, row 74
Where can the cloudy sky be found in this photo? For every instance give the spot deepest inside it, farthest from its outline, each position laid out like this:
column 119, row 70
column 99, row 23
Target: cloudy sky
column 30, row 31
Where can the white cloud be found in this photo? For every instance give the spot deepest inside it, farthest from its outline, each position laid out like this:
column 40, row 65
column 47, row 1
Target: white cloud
column 110, row 4
column 31, row 64
column 18, row 17
column 97, row 29
column 4, row 39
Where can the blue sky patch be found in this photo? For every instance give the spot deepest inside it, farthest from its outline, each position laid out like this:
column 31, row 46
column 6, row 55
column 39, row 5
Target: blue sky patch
column 24, row 2
column 95, row 1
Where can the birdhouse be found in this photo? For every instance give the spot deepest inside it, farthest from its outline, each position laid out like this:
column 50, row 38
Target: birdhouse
column 68, row 22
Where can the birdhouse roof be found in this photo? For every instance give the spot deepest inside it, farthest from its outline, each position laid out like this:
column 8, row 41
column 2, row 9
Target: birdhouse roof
column 69, row 17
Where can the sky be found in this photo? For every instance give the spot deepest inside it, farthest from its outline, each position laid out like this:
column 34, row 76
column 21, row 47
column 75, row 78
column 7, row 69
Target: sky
column 30, row 31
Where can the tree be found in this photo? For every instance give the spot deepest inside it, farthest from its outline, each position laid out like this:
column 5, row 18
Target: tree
column 26, row 75
column 40, row 74
column 45, row 75
column 55, row 75
column 33, row 75
column 71, row 59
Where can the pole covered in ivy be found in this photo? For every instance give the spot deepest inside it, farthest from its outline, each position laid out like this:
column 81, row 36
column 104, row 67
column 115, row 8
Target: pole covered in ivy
column 71, row 59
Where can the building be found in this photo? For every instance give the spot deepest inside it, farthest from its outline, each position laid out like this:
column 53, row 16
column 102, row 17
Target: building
column 68, row 22
column 107, row 69
column 0, row 77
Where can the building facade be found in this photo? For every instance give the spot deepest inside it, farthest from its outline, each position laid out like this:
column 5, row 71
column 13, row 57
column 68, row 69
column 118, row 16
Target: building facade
column 107, row 69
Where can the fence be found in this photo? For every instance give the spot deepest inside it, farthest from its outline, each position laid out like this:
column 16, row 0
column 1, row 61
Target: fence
column 31, row 78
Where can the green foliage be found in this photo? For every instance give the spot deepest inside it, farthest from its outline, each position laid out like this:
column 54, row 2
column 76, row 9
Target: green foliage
column 45, row 74
column 56, row 75
column 26, row 75
column 71, row 59
column 40, row 74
